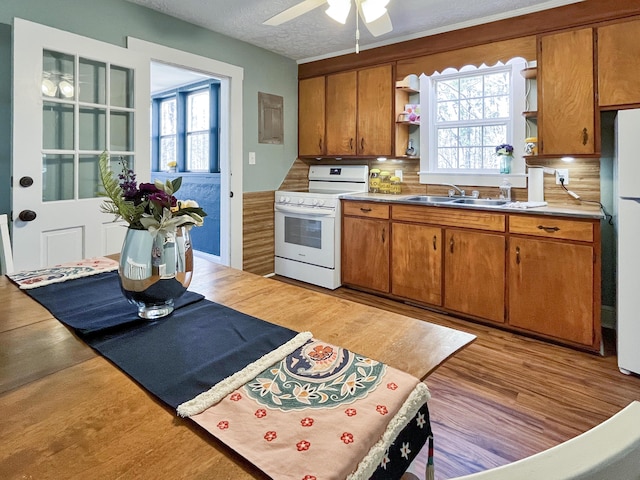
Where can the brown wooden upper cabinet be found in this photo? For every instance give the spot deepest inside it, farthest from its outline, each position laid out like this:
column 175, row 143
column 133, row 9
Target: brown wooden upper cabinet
column 619, row 64
column 342, row 100
column 359, row 114
column 311, row 116
column 566, row 95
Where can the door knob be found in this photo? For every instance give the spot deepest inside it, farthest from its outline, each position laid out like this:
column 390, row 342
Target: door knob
column 27, row 215
column 26, row 181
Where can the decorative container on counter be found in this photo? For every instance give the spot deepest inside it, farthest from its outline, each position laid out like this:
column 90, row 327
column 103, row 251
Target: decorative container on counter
column 374, row 180
column 396, row 186
column 385, row 182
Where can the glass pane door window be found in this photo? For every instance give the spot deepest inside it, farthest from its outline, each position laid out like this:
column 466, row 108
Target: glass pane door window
column 87, row 108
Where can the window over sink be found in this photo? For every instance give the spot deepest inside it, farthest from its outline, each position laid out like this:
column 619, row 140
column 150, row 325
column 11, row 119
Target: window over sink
column 466, row 113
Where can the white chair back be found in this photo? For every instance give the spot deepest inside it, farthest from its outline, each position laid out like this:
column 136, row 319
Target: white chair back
column 6, row 257
column 608, row 451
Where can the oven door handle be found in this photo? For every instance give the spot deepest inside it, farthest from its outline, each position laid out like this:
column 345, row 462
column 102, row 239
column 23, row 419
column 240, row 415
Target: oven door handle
column 310, row 212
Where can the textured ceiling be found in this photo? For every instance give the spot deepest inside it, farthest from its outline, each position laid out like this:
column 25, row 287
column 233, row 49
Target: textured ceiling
column 314, row 35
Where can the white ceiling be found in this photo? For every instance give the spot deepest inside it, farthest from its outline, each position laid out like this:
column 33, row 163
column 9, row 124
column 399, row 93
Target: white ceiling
column 314, row 35
column 166, row 77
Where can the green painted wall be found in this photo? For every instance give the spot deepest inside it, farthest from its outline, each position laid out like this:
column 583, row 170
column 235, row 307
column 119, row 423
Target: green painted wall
column 112, row 21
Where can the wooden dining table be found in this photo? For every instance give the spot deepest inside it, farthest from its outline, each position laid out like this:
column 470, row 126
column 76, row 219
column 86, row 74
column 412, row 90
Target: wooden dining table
column 67, row 412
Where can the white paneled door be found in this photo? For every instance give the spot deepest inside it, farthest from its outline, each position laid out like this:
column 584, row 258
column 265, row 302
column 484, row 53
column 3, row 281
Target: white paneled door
column 74, row 98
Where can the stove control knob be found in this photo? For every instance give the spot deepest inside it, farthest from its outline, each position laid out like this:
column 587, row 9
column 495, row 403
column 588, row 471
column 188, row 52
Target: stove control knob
column 315, row 201
column 321, row 202
column 281, row 200
column 287, row 199
column 300, row 201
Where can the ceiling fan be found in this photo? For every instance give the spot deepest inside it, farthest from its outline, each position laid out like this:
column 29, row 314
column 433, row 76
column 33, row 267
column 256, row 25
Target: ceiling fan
column 373, row 13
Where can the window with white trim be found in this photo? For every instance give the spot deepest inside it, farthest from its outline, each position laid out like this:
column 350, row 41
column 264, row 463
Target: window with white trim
column 466, row 113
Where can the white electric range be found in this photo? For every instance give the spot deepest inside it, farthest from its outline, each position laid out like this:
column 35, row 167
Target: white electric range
column 307, row 224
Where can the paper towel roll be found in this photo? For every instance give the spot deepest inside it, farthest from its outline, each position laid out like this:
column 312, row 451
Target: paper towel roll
column 536, row 184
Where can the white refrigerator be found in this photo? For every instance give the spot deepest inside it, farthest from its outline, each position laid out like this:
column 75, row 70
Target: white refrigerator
column 627, row 196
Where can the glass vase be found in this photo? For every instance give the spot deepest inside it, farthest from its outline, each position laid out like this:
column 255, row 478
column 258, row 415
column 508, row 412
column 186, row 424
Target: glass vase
column 505, row 163
column 155, row 270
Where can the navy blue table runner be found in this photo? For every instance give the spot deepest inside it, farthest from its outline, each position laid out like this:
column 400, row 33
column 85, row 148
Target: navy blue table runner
column 176, row 357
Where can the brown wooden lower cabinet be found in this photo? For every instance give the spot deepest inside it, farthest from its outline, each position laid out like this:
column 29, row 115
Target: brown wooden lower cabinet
column 551, row 289
column 365, row 246
column 529, row 273
column 416, row 270
column 554, row 278
column 474, row 273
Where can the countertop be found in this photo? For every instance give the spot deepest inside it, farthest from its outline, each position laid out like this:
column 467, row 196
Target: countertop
column 586, row 211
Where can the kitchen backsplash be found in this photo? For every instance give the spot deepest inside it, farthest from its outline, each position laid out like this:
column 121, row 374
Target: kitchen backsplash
column 584, row 177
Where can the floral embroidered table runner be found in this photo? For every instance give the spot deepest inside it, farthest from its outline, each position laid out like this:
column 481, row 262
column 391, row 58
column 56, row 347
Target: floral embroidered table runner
column 63, row 272
column 322, row 412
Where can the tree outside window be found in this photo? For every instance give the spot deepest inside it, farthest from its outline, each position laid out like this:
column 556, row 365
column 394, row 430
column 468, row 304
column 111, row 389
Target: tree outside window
column 469, row 112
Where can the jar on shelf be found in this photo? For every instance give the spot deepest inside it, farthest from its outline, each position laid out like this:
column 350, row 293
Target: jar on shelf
column 385, row 182
column 531, row 146
column 374, row 180
column 396, row 186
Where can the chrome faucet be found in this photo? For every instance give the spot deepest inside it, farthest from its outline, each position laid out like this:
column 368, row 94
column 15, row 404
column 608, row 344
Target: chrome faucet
column 452, row 191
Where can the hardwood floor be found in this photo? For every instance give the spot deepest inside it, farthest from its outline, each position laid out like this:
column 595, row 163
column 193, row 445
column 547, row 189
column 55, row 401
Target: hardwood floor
column 508, row 396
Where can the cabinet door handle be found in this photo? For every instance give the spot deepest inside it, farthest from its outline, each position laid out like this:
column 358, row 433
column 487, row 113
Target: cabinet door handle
column 548, row 229
column 365, row 210
column 384, row 230
column 451, row 245
column 362, row 144
column 351, row 143
column 434, row 242
column 320, row 143
column 517, row 255
column 585, row 136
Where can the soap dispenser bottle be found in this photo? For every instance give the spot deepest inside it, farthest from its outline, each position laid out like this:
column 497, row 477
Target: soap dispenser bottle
column 505, row 190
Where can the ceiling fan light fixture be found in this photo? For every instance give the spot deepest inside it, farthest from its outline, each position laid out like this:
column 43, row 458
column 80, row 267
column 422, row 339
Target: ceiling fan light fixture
column 373, row 9
column 339, row 10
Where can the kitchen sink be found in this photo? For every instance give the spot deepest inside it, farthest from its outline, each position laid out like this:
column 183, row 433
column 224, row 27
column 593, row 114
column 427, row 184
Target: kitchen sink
column 481, row 202
column 429, row 199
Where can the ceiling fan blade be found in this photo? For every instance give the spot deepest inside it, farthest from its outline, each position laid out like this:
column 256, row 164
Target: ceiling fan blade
column 293, row 12
column 380, row 26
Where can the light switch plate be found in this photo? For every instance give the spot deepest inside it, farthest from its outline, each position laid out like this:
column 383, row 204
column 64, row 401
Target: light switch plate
column 252, row 158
